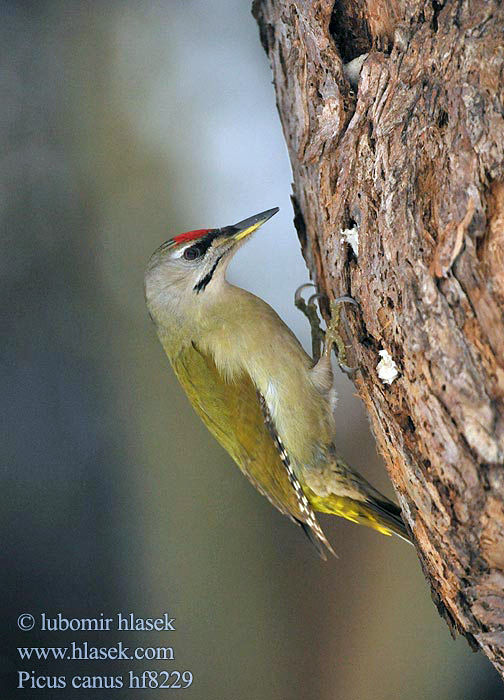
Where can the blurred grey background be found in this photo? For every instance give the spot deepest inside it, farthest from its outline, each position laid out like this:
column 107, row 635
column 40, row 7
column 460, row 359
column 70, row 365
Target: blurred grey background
column 123, row 123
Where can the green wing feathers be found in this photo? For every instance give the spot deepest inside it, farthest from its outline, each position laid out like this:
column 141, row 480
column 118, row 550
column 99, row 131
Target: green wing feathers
column 232, row 413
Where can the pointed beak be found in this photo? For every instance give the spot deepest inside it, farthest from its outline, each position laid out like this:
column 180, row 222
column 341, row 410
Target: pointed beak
column 248, row 226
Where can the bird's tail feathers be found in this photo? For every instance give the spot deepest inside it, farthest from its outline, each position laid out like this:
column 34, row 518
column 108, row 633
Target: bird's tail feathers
column 387, row 517
column 378, row 513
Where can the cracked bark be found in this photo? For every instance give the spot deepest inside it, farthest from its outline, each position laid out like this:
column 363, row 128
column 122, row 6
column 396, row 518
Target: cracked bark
column 413, row 159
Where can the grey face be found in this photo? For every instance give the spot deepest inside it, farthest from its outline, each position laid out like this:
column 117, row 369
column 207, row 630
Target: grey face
column 191, row 261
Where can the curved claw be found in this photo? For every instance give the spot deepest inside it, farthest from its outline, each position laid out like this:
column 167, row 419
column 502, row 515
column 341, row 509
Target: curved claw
column 348, row 299
column 317, row 295
column 349, row 371
column 297, row 293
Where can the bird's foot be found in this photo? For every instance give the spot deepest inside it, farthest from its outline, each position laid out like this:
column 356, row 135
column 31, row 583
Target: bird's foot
column 309, row 309
column 333, row 335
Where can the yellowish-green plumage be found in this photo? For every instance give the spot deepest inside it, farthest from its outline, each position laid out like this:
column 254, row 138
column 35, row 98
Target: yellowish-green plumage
column 254, row 386
column 232, row 414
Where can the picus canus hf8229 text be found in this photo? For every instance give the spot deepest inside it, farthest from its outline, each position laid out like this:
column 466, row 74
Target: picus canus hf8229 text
column 253, row 385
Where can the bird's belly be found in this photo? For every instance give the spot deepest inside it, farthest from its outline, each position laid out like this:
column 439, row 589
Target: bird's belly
column 302, row 416
column 267, row 352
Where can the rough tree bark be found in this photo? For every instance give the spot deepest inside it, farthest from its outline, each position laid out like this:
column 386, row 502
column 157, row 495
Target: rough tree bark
column 412, row 159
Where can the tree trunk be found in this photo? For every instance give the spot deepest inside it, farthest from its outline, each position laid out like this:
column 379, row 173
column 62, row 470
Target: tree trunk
column 408, row 167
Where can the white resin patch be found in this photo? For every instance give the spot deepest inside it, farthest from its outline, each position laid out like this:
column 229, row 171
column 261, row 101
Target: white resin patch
column 387, row 368
column 351, row 236
column 352, row 69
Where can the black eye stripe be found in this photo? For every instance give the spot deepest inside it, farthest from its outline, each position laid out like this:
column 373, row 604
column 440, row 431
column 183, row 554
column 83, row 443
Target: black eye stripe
column 204, row 244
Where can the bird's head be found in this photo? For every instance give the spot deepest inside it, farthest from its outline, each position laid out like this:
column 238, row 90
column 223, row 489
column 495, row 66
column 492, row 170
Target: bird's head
column 189, row 265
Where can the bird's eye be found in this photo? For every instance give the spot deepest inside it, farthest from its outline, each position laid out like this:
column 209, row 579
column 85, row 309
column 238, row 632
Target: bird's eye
column 192, row 253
